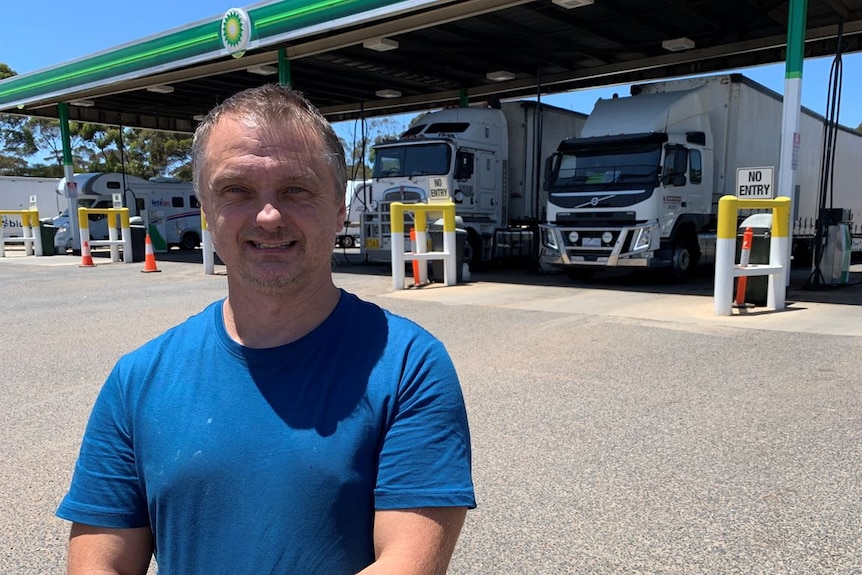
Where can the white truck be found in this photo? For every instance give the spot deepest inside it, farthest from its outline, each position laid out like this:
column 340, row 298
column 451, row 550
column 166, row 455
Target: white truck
column 640, row 186
column 355, row 200
column 167, row 207
column 490, row 159
column 15, row 194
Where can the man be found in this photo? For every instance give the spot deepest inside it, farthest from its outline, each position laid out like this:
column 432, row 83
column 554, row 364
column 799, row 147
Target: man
column 290, row 428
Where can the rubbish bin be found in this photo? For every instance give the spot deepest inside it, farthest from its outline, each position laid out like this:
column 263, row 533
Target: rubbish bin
column 761, row 226
column 47, row 233
column 139, row 237
column 435, row 233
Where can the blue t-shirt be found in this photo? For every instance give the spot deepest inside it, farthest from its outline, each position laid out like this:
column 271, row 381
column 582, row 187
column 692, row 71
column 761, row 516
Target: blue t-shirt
column 274, row 460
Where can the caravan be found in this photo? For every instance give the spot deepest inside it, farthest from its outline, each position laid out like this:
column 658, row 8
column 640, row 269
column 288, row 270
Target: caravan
column 167, row 207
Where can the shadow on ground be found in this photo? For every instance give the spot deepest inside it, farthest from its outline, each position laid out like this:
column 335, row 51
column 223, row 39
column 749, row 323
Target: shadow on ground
column 804, row 285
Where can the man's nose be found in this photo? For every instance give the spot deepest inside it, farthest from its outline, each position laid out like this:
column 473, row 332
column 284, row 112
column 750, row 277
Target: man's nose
column 269, row 215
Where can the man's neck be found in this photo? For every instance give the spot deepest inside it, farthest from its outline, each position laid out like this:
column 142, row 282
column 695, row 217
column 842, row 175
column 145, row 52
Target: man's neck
column 261, row 321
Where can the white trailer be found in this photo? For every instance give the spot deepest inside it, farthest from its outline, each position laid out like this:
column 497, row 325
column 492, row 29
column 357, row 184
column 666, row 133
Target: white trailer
column 15, row 194
column 640, row 186
column 490, row 161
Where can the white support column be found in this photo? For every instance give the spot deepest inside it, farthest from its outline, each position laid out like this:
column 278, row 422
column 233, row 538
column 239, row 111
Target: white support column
column 112, row 237
column 27, row 234
column 422, row 248
column 127, row 245
column 397, row 248
column 37, row 238
column 450, row 275
column 209, row 253
column 779, row 247
column 725, row 254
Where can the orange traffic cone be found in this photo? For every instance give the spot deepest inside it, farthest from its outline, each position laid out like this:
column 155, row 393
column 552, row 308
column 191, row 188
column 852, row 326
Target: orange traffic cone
column 86, row 257
column 416, row 280
column 150, row 257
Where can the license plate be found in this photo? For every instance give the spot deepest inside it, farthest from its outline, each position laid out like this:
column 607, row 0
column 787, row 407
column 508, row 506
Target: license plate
column 592, row 242
column 372, row 243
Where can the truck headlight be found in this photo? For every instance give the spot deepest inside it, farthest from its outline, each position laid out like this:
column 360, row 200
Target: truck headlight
column 548, row 239
column 642, row 240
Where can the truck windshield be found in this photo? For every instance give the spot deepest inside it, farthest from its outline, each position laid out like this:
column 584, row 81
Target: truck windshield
column 412, row 160
column 627, row 165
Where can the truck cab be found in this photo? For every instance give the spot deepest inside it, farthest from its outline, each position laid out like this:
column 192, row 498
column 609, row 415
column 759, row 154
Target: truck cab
column 640, row 199
column 462, row 151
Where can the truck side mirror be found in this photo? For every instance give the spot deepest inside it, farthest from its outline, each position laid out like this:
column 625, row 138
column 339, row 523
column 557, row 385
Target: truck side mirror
column 464, row 165
column 547, row 173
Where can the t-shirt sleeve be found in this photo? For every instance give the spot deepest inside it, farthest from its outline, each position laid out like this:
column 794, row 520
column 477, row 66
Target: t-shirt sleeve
column 105, row 490
column 425, row 460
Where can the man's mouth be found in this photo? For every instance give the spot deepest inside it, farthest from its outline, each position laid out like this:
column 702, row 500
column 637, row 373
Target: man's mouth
column 272, row 246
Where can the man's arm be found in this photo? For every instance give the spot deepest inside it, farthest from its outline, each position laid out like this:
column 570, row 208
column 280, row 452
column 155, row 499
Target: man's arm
column 103, row 551
column 415, row 541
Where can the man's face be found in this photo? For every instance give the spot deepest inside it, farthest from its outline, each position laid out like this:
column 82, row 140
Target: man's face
column 271, row 205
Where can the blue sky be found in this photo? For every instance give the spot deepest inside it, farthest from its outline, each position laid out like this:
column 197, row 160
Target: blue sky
column 33, row 39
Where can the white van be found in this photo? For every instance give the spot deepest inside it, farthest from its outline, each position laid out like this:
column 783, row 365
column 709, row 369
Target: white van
column 167, row 207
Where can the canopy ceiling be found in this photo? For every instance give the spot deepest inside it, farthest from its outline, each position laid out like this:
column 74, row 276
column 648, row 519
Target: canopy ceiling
column 440, row 52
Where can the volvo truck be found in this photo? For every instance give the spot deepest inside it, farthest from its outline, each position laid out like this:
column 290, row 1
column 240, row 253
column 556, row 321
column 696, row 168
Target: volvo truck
column 486, row 159
column 640, row 186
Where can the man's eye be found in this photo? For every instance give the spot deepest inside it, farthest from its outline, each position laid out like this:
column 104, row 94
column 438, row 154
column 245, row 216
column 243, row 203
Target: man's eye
column 294, row 190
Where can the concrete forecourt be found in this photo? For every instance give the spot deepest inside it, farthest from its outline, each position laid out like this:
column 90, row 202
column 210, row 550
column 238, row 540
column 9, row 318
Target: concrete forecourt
column 617, row 428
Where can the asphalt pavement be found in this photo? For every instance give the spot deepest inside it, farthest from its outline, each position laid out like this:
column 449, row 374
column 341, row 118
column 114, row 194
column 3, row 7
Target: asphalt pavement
column 619, row 425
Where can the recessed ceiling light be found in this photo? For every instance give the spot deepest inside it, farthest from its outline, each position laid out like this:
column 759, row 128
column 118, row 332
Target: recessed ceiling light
column 500, row 75
column 160, row 89
column 678, row 44
column 380, row 44
column 83, row 103
column 199, row 117
column 569, row 4
column 262, row 70
column 387, row 93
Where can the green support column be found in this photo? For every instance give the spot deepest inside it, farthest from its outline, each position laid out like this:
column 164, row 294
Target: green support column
column 463, row 100
column 791, row 111
column 71, row 191
column 283, row 68
column 792, row 96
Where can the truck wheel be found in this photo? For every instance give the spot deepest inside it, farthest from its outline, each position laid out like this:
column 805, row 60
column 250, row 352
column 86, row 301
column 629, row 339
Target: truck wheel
column 347, row 242
column 190, row 241
column 473, row 250
column 684, row 258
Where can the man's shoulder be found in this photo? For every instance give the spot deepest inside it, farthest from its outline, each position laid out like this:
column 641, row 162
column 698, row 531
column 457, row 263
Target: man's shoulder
column 369, row 317
column 187, row 333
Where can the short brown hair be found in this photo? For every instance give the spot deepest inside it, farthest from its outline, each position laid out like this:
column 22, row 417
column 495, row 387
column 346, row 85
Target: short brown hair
column 272, row 103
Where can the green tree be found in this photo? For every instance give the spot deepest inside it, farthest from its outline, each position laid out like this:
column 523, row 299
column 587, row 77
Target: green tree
column 359, row 150
column 151, row 153
column 16, row 143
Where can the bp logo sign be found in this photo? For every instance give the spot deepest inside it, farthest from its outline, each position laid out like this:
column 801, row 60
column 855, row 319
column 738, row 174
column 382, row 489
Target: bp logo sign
column 235, row 31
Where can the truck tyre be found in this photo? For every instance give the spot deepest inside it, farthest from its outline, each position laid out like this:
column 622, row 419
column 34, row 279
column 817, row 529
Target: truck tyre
column 189, row 241
column 347, row 241
column 473, row 250
column 684, row 257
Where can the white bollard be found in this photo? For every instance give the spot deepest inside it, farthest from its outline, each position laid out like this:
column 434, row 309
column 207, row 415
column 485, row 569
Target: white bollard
column 397, row 249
